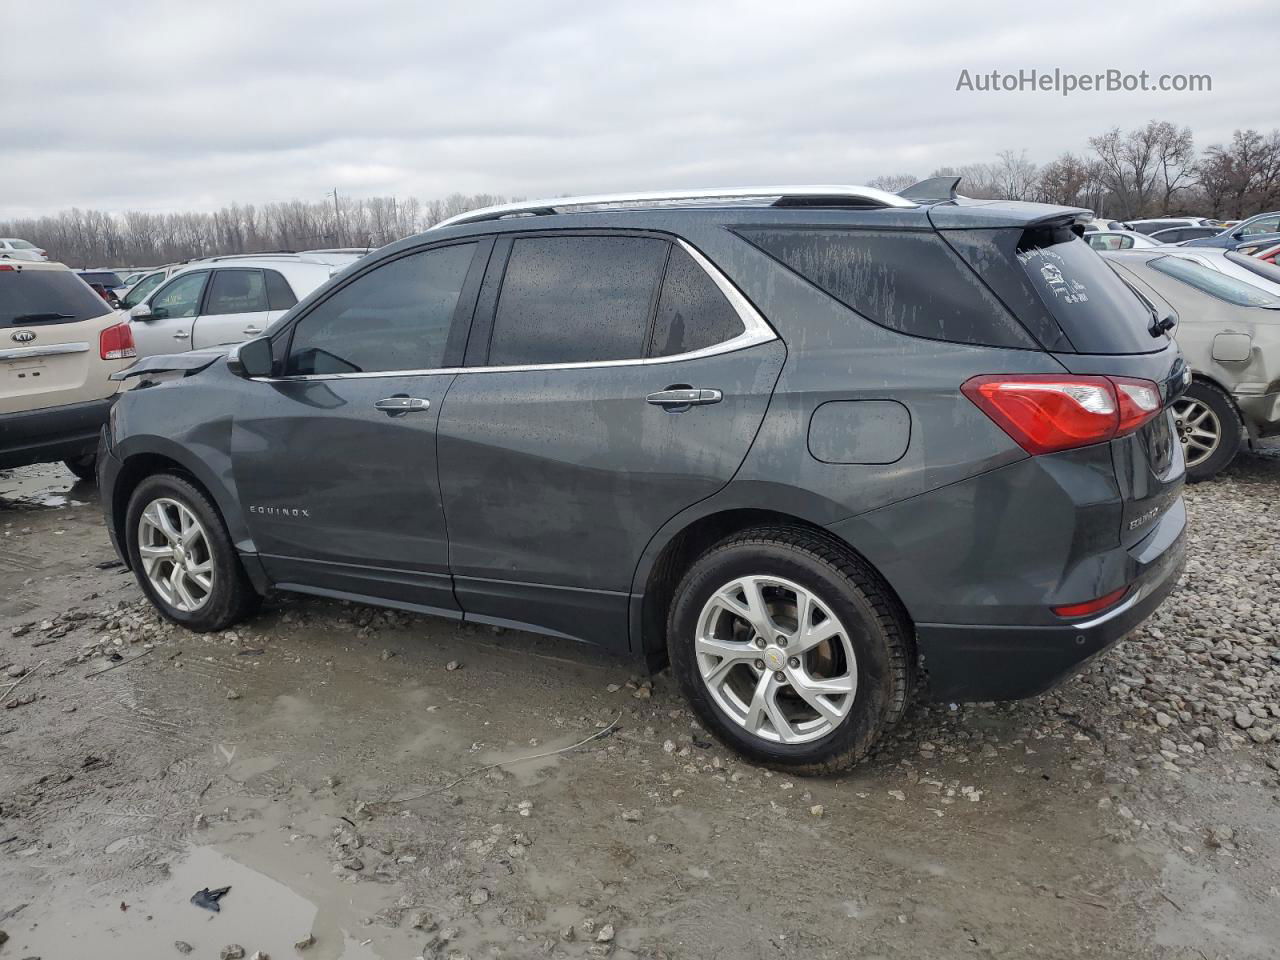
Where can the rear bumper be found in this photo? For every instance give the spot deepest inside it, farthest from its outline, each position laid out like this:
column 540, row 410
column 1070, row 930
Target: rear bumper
column 55, row 433
column 1261, row 413
column 965, row 662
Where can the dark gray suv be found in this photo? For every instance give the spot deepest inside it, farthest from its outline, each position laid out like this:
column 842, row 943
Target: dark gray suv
column 811, row 445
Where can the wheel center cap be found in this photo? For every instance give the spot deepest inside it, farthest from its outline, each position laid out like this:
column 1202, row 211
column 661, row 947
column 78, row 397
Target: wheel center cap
column 775, row 658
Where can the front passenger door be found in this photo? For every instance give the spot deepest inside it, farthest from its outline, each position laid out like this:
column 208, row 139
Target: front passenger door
column 173, row 311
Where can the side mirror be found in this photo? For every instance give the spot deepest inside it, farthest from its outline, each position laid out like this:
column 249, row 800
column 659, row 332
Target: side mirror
column 252, row 358
column 141, row 312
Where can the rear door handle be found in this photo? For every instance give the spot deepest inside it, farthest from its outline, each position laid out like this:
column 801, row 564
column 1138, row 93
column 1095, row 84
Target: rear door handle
column 684, row 397
column 395, row 406
column 252, row 331
column 181, row 335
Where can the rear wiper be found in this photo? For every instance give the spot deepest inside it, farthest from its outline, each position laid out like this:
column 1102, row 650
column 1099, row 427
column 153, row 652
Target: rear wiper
column 1161, row 325
column 37, row 317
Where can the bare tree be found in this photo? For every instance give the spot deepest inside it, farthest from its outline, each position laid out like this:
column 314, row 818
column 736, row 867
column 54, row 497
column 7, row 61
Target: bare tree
column 1243, row 176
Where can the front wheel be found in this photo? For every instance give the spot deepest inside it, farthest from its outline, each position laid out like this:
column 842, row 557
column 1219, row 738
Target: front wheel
column 183, row 558
column 1209, row 429
column 790, row 649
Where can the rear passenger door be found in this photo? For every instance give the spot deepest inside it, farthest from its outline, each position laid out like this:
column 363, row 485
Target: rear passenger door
column 613, row 380
column 236, row 308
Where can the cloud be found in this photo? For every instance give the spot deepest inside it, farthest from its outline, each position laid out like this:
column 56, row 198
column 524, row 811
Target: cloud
column 165, row 106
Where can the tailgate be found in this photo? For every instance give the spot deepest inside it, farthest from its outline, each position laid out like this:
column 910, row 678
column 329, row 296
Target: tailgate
column 1148, row 463
column 50, row 322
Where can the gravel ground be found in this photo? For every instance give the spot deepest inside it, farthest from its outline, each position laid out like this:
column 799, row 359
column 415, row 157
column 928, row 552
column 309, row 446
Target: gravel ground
column 333, row 764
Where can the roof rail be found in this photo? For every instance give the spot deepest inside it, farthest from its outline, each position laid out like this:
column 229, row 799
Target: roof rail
column 778, row 196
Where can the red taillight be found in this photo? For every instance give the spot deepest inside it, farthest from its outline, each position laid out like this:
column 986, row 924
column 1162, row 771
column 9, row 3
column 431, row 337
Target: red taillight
column 1090, row 606
column 1047, row 412
column 7, row 267
column 116, row 342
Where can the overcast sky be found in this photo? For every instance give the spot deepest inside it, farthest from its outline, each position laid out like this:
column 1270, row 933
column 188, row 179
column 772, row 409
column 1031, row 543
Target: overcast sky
column 180, row 106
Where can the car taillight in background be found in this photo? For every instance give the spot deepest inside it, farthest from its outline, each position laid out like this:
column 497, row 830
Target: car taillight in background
column 1045, row 413
column 116, row 342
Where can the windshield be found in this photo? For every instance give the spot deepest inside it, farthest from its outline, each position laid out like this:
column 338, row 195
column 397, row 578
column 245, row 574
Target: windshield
column 21, row 245
column 1097, row 311
column 46, row 296
column 1215, row 284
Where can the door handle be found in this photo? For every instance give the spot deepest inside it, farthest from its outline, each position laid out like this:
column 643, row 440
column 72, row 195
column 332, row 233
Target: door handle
column 397, row 406
column 181, row 335
column 252, row 331
column 684, row 397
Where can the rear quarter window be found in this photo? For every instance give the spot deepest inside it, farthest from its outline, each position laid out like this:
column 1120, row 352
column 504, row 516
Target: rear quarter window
column 908, row 281
column 46, row 296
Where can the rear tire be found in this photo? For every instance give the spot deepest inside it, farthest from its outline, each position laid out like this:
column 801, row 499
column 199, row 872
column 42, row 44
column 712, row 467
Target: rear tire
column 85, row 468
column 183, row 558
column 760, row 683
column 1209, row 428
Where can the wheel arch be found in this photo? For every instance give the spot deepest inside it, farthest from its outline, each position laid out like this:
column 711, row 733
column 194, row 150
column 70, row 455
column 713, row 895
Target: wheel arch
column 140, row 460
column 675, row 548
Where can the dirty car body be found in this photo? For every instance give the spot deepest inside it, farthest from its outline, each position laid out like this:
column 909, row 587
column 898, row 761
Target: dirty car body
column 583, row 408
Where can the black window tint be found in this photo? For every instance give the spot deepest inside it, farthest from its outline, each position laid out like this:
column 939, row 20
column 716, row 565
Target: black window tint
column 1215, row 284
column 45, row 296
column 279, row 293
column 237, row 291
column 576, row 299
column 104, row 277
column 692, row 312
column 396, row 317
column 907, row 281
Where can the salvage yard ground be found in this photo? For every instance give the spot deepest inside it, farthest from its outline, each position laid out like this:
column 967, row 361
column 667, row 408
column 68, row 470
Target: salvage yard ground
column 307, row 760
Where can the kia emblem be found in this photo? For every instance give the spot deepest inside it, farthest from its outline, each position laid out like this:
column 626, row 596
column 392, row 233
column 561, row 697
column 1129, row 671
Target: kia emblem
column 22, row 336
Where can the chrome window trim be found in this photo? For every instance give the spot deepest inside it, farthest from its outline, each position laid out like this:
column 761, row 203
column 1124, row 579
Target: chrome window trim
column 52, row 350
column 756, row 330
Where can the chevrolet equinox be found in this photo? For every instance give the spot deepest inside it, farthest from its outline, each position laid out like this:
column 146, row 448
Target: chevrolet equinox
column 812, row 446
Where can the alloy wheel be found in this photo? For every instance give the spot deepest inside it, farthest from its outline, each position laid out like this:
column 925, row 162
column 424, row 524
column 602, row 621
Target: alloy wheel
column 176, row 559
column 1198, row 428
column 775, row 659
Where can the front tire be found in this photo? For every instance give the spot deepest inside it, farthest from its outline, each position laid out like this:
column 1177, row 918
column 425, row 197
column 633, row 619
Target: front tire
column 790, row 649
column 183, row 558
column 1209, row 429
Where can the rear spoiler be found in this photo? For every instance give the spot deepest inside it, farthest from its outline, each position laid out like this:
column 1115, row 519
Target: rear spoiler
column 935, row 188
column 185, row 363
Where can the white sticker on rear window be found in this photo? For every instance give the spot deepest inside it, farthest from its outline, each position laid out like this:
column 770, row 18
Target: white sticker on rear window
column 1053, row 273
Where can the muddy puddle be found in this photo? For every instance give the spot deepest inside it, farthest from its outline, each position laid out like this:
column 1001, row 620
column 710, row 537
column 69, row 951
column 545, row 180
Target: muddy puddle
column 259, row 912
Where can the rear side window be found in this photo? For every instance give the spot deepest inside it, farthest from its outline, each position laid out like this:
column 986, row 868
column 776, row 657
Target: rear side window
column 279, row 294
column 576, row 299
column 1215, row 284
column 237, row 291
column 1094, row 307
column 395, row 317
column 46, row 296
column 908, row 281
column 692, row 312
